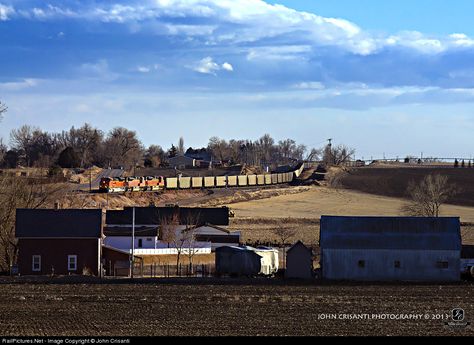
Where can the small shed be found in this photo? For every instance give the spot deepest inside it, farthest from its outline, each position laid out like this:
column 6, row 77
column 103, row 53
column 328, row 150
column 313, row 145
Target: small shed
column 245, row 260
column 299, row 262
column 269, row 260
column 239, row 261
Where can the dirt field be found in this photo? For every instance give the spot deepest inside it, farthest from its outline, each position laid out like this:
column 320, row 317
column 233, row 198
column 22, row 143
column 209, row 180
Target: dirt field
column 317, row 201
column 394, row 181
column 228, row 309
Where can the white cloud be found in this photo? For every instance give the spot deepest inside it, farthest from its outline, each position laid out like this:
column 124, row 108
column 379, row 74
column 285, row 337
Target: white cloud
column 19, row 85
column 5, row 12
column 289, row 52
column 243, row 21
column 208, row 66
column 312, row 85
column 98, row 70
column 227, row 66
column 143, row 69
column 462, row 40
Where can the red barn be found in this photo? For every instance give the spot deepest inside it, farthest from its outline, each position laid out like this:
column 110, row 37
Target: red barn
column 64, row 241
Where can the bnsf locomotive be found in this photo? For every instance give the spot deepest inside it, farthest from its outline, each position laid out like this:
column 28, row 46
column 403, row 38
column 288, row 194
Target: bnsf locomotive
column 131, row 184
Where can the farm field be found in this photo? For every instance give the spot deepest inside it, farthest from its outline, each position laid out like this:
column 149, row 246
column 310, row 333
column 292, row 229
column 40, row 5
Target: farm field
column 237, row 308
column 393, row 182
column 317, row 201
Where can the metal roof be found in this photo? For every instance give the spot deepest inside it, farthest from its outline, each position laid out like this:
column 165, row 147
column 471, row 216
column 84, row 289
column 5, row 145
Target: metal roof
column 390, row 233
column 154, row 215
column 40, row 223
column 300, row 244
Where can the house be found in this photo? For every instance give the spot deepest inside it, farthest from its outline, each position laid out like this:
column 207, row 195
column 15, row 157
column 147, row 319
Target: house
column 148, row 240
column 181, row 162
column 192, row 231
column 217, row 236
column 390, row 248
column 245, row 260
column 203, row 223
column 202, row 156
column 299, row 262
column 54, row 241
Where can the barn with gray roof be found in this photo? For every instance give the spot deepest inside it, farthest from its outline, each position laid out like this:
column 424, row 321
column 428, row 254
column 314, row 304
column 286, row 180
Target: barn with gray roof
column 390, row 248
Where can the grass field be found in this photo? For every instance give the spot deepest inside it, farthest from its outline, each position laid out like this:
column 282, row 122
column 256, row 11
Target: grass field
column 235, row 308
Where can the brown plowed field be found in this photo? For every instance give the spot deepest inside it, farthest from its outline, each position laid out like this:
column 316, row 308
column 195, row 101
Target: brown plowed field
column 263, row 308
column 393, row 182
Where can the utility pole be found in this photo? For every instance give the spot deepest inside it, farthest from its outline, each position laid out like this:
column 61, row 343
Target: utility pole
column 132, row 258
column 90, row 180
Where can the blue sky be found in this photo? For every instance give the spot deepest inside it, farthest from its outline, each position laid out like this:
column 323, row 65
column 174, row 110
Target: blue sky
column 391, row 78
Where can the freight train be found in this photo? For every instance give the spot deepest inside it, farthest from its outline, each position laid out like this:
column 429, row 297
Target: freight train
column 156, row 183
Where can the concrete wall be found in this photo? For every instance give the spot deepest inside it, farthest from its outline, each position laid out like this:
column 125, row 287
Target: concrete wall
column 415, row 265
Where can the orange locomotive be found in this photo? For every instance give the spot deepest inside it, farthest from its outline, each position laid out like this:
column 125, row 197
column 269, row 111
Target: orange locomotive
column 132, row 183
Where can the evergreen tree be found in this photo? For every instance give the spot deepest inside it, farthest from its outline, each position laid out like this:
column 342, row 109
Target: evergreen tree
column 172, row 152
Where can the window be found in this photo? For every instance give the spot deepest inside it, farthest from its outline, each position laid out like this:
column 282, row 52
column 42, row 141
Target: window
column 140, row 243
column 148, row 239
column 36, row 263
column 361, row 263
column 442, row 264
column 397, row 264
column 72, row 262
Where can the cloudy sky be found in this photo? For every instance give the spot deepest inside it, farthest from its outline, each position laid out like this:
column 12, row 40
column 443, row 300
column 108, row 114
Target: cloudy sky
column 386, row 77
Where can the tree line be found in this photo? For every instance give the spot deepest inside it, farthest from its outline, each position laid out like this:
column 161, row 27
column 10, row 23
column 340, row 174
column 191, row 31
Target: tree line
column 86, row 146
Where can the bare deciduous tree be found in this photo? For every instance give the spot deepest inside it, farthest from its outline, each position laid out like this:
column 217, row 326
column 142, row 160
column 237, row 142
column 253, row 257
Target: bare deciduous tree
column 170, row 233
column 337, row 155
column 18, row 193
column 123, row 147
column 428, row 196
column 3, row 109
column 284, row 234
